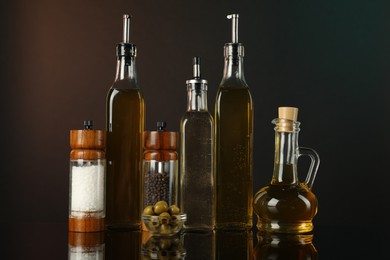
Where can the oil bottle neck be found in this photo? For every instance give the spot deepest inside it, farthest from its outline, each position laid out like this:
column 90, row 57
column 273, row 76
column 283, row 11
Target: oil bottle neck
column 286, row 156
column 196, row 99
column 233, row 73
column 126, row 69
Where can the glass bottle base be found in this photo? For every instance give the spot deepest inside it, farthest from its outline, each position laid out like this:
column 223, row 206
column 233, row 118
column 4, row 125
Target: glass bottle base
column 123, row 226
column 198, row 228
column 284, row 227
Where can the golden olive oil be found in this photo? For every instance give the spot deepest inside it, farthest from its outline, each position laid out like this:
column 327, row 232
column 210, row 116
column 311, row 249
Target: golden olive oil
column 234, row 148
column 125, row 112
column 285, row 208
column 125, row 117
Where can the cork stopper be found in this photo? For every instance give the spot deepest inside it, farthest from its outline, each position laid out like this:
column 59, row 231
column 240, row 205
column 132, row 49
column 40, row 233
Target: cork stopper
column 289, row 113
column 287, row 120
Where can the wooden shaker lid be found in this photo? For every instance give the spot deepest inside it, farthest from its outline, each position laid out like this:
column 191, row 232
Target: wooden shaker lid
column 168, row 140
column 86, row 239
column 160, row 139
column 151, row 140
column 160, row 155
column 87, row 144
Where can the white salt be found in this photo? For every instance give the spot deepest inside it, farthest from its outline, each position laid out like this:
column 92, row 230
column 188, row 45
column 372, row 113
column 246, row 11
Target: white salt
column 87, row 188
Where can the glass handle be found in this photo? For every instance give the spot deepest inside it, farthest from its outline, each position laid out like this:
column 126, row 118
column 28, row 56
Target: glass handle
column 315, row 163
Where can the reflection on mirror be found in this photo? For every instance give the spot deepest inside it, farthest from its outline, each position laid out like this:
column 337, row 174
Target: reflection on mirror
column 83, row 246
column 123, row 245
column 285, row 246
column 200, row 245
column 234, row 244
column 162, row 247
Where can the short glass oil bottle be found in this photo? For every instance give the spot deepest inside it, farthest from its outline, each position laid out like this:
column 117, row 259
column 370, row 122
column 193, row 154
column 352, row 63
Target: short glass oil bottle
column 196, row 153
column 287, row 205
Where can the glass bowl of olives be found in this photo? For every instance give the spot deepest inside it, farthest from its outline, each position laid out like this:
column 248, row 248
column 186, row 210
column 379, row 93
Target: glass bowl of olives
column 163, row 220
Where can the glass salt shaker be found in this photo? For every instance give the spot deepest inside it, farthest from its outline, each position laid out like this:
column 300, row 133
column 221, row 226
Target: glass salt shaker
column 160, row 166
column 87, row 179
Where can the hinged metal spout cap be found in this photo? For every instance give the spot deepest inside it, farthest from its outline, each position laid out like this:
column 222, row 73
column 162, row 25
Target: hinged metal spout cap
column 234, row 48
column 234, row 18
column 196, row 82
column 126, row 28
column 126, row 48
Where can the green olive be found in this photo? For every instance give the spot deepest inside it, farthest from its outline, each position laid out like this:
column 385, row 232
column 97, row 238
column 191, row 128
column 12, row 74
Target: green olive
column 160, row 207
column 165, row 229
column 148, row 210
column 173, row 210
column 165, row 243
column 164, row 218
column 154, row 224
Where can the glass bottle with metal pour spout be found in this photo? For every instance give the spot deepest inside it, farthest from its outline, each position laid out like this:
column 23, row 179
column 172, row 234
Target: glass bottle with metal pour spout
column 234, row 141
column 125, row 126
column 287, row 205
column 197, row 147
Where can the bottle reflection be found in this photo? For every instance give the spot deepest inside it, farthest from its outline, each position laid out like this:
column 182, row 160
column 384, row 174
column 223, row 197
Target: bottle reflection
column 156, row 247
column 285, row 246
column 234, row 245
column 199, row 245
column 86, row 246
column 123, row 245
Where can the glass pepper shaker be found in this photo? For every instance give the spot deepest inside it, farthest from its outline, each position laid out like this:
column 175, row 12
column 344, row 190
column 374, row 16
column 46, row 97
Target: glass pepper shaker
column 160, row 166
column 87, row 179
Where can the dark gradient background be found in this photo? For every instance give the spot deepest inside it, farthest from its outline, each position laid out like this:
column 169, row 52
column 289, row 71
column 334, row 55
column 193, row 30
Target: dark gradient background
column 329, row 58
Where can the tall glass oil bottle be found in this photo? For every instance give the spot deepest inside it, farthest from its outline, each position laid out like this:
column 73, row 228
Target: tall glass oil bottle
column 125, row 126
column 197, row 147
column 287, row 205
column 234, row 140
